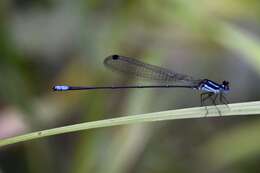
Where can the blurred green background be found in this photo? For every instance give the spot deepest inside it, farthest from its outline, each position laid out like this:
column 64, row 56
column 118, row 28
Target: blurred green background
column 47, row 42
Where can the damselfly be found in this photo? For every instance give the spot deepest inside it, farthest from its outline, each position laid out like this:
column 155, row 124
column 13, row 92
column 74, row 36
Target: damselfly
column 210, row 89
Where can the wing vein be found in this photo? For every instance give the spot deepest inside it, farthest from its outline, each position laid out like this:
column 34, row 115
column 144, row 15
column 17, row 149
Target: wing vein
column 131, row 66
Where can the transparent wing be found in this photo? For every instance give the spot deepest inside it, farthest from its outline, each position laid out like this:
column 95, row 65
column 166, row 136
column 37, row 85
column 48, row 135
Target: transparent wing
column 131, row 66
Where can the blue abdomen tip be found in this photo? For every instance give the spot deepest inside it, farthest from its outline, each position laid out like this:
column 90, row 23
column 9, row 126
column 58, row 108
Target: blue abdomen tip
column 61, row 88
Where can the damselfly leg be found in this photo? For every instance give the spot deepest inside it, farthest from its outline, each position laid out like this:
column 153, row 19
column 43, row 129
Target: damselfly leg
column 203, row 99
column 213, row 97
column 224, row 100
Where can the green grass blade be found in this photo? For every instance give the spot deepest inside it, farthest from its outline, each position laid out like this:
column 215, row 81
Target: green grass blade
column 247, row 108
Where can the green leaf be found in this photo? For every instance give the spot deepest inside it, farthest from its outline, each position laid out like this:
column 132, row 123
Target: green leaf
column 247, row 108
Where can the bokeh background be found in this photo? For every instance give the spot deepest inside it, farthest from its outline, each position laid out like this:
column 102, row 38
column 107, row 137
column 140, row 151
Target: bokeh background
column 48, row 42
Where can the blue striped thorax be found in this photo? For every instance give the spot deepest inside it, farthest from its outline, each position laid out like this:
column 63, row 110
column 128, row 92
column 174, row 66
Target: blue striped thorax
column 210, row 86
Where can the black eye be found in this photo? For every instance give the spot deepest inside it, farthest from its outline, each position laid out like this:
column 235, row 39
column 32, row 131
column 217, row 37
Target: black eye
column 225, row 82
column 115, row 57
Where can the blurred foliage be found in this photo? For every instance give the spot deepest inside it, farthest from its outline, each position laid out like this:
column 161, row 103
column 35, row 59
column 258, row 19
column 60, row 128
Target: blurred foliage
column 47, row 42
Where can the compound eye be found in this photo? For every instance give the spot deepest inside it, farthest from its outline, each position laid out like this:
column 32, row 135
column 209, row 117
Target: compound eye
column 225, row 83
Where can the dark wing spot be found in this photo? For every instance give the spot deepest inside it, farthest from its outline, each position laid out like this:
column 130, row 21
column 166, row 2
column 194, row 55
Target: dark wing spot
column 115, row 57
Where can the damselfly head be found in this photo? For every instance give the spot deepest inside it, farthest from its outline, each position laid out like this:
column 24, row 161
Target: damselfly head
column 225, row 85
